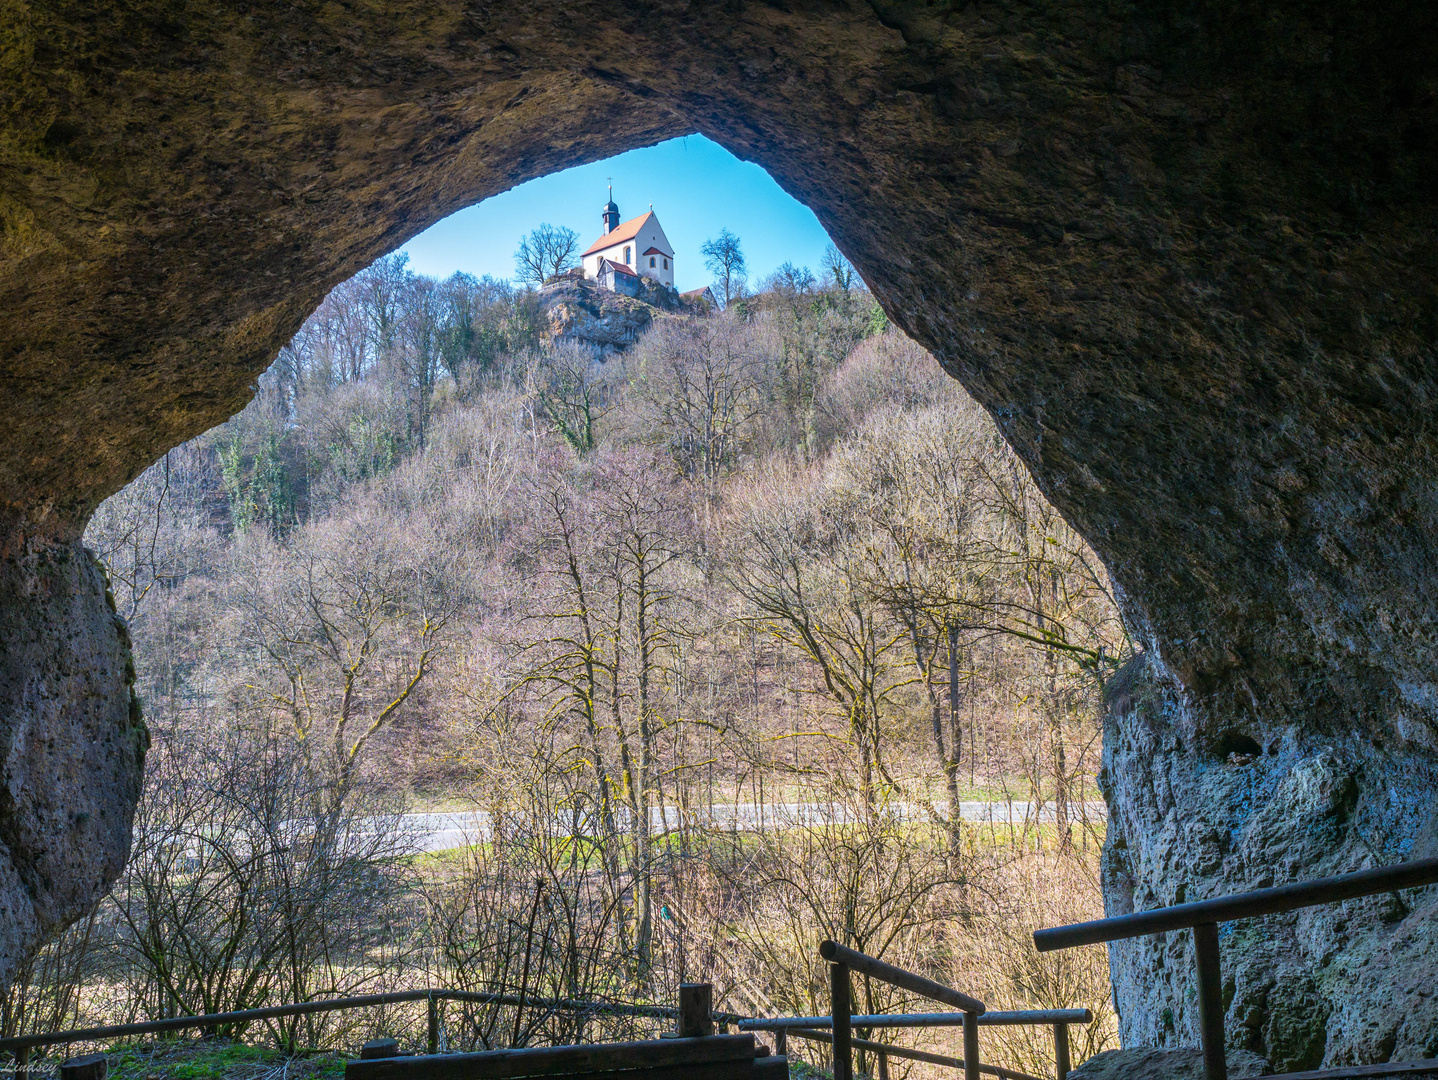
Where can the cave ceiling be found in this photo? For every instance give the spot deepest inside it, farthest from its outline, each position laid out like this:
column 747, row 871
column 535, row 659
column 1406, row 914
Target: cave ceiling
column 1183, row 254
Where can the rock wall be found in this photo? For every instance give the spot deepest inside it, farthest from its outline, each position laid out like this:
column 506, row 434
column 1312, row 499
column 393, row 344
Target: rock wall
column 1201, row 809
column 1183, row 253
column 580, row 311
column 72, row 741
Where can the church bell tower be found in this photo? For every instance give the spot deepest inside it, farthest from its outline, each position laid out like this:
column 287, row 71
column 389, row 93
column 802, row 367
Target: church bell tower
column 611, row 213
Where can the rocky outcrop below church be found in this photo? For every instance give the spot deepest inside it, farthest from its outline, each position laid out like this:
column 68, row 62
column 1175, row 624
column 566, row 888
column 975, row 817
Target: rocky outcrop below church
column 581, row 311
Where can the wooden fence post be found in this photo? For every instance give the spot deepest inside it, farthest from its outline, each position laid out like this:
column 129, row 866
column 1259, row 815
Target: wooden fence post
column 842, row 1010
column 696, row 1010
column 432, row 1039
column 781, row 1042
column 1210, row 1000
column 971, row 1046
column 89, row 1067
column 1061, row 1051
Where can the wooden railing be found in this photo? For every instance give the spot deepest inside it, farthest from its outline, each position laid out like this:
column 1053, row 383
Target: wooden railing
column 1203, row 917
column 21, row 1045
column 694, row 1017
column 811, row 1027
column 972, row 1014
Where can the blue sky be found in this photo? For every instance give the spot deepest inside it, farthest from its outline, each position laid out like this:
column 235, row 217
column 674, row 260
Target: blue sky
column 697, row 188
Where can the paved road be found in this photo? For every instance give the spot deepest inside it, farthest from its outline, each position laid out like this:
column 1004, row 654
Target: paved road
column 447, row 830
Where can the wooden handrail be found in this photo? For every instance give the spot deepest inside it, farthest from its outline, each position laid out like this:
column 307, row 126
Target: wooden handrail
column 536, row 1061
column 917, row 1055
column 1203, row 917
column 835, row 953
column 304, row 1008
column 923, row 1020
column 843, row 959
column 1247, row 905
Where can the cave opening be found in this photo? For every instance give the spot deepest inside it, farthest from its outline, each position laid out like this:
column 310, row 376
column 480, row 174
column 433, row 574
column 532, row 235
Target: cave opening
column 1184, row 263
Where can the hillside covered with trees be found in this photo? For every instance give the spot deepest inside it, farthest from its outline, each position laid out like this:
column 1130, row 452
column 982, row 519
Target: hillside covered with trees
column 771, row 555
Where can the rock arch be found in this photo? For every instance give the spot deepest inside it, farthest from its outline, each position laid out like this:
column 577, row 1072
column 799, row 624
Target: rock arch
column 1183, row 253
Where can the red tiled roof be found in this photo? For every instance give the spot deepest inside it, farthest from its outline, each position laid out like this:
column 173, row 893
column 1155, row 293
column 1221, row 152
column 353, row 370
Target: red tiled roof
column 619, row 267
column 696, row 292
column 656, row 251
column 619, row 235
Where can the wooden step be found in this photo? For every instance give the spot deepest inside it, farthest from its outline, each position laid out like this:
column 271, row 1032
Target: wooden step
column 713, row 1057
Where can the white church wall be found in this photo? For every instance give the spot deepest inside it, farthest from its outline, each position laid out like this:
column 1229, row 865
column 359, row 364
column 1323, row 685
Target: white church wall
column 631, row 253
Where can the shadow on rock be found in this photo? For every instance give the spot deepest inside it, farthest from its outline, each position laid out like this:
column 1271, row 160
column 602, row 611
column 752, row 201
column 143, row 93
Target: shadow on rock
column 1148, row 1063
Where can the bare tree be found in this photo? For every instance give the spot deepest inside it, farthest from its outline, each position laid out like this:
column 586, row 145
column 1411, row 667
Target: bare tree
column 239, row 893
column 575, row 390
column 837, row 269
column 570, row 661
column 348, row 623
column 153, row 533
column 701, row 384
column 794, row 559
column 382, row 286
column 546, row 252
column 644, row 538
column 1059, row 603
column 612, row 534
column 927, row 561
column 725, row 260
column 417, row 355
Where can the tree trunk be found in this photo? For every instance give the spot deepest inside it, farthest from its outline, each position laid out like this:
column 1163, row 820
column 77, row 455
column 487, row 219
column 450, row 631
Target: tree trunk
column 956, row 738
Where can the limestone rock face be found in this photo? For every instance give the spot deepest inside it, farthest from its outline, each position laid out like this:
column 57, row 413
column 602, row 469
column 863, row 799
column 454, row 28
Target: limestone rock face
column 1184, row 254
column 608, row 322
column 1151, row 1064
column 1198, row 814
column 72, row 742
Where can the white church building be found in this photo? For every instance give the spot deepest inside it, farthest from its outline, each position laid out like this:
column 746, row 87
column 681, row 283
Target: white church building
column 624, row 253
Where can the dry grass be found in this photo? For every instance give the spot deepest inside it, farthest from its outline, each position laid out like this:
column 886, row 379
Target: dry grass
column 994, row 958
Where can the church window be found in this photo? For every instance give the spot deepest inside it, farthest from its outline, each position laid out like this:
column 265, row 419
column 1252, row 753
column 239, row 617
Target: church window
column 666, row 264
column 651, row 262
column 626, row 256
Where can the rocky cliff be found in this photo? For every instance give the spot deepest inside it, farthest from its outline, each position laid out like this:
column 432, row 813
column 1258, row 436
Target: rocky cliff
column 72, row 741
column 1184, row 253
column 1199, row 809
column 580, row 311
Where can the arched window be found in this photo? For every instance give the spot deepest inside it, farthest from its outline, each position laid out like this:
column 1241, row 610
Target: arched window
column 626, row 256
column 666, row 264
column 651, row 262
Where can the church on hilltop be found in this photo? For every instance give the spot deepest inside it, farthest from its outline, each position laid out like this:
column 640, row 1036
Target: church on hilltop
column 625, row 253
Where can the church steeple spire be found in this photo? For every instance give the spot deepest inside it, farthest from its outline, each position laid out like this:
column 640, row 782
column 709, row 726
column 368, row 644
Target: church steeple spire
column 611, row 212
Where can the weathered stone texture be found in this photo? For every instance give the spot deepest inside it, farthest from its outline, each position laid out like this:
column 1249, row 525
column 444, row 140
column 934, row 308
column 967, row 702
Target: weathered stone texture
column 1183, row 253
column 595, row 318
column 72, row 741
column 1151, row 1064
column 1198, row 814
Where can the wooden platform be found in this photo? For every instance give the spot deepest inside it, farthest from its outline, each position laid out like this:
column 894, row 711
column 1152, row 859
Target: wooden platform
column 712, row 1057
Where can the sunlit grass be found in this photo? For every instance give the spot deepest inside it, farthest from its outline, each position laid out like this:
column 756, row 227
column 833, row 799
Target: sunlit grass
column 218, row 1059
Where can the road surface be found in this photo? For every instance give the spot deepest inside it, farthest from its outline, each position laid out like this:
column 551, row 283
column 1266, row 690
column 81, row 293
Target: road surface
column 446, row 830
